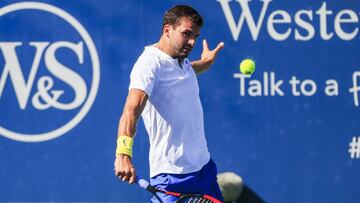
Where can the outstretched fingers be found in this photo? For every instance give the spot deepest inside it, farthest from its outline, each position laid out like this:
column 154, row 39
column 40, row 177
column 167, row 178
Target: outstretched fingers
column 205, row 45
column 219, row 47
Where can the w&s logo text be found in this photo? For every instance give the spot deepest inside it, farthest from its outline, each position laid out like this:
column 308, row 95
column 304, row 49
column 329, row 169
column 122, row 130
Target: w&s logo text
column 49, row 72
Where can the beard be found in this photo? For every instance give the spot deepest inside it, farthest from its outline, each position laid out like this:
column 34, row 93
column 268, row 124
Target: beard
column 182, row 51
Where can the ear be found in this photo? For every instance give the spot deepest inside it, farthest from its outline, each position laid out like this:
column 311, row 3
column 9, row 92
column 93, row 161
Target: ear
column 167, row 28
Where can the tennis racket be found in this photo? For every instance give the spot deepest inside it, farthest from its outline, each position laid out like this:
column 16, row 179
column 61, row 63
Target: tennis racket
column 183, row 198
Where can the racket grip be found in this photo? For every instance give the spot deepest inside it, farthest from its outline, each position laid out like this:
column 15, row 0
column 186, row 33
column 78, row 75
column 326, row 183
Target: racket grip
column 142, row 183
column 146, row 185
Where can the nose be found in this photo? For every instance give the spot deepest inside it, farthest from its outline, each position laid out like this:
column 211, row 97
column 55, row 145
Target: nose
column 191, row 42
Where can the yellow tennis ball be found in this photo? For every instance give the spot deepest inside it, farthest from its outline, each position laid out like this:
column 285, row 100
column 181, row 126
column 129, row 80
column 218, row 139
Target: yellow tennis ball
column 247, row 67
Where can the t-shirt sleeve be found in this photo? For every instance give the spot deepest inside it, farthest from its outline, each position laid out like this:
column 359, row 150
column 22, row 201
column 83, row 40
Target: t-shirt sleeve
column 143, row 74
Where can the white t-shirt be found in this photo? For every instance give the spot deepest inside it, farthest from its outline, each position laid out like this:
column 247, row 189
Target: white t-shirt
column 173, row 114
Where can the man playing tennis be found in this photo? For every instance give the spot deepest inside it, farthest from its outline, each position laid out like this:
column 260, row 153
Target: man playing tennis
column 164, row 90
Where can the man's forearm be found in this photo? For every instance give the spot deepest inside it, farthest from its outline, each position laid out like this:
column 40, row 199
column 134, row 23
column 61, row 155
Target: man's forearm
column 127, row 130
column 128, row 121
column 134, row 106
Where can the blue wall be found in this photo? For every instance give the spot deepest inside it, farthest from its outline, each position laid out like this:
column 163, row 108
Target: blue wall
column 289, row 145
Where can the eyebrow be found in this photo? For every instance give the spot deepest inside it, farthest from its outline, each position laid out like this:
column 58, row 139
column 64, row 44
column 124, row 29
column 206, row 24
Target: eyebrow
column 187, row 30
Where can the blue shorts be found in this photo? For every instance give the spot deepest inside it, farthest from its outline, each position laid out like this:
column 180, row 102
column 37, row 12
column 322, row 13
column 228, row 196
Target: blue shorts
column 200, row 182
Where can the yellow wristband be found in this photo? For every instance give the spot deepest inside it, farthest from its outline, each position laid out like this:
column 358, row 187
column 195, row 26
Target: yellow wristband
column 124, row 145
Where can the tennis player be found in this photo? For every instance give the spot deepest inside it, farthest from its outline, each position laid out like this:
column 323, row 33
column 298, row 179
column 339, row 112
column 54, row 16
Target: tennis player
column 164, row 90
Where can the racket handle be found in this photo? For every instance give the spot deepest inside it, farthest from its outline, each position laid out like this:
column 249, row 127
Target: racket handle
column 146, row 185
column 142, row 183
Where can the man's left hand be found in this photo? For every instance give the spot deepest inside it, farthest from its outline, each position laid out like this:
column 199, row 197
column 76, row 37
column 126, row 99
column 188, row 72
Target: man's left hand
column 207, row 57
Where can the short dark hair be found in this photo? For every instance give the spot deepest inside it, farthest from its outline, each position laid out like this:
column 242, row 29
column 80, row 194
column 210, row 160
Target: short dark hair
column 174, row 15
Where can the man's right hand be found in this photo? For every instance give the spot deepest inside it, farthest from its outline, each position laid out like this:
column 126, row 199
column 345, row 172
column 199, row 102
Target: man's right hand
column 124, row 168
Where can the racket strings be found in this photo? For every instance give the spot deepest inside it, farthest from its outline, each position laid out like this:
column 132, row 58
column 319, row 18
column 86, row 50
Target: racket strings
column 194, row 200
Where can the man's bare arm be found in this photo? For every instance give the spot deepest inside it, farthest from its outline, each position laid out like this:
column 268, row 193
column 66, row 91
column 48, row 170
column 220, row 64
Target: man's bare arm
column 135, row 103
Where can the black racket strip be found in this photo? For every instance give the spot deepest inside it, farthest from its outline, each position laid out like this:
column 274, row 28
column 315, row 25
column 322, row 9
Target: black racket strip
column 183, row 198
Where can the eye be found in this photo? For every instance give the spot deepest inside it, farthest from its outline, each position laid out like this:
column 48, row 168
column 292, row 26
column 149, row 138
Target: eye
column 186, row 34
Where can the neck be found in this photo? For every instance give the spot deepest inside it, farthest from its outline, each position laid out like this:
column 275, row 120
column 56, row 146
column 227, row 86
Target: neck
column 163, row 46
